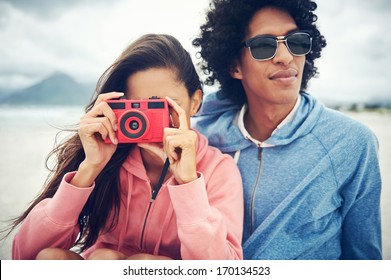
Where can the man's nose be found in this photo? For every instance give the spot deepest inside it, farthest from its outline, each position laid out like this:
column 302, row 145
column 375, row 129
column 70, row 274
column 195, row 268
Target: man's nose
column 283, row 55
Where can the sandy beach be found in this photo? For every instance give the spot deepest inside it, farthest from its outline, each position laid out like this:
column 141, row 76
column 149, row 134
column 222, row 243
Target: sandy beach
column 380, row 124
column 25, row 142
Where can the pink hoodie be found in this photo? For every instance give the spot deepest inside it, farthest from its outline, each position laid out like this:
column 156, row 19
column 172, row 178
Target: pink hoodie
column 199, row 220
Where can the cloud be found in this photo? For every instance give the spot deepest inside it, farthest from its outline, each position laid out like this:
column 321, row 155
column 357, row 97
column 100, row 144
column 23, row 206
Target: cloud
column 50, row 9
column 82, row 38
column 354, row 64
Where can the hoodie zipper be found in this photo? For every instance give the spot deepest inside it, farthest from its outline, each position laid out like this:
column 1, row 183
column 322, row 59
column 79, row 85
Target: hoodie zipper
column 145, row 222
column 255, row 189
column 154, row 194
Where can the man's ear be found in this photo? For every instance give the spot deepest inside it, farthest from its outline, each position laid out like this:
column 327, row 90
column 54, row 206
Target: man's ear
column 235, row 70
column 195, row 102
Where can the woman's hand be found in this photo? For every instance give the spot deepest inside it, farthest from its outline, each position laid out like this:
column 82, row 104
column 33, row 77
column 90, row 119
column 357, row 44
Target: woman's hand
column 179, row 145
column 95, row 126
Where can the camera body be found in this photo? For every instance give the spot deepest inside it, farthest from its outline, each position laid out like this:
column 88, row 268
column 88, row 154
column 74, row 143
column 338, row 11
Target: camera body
column 140, row 121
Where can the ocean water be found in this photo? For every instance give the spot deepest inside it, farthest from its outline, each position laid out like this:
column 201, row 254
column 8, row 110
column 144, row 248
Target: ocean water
column 27, row 135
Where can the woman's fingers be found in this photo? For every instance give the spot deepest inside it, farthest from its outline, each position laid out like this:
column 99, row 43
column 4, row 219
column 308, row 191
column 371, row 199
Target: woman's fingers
column 103, row 114
column 182, row 118
column 92, row 129
column 179, row 142
column 108, row 96
column 103, row 109
column 180, row 148
column 103, row 126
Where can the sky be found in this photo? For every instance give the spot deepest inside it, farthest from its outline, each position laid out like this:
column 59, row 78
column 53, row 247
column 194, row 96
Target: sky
column 83, row 37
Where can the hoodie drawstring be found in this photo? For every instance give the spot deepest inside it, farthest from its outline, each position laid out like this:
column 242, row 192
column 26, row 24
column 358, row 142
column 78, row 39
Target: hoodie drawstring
column 125, row 228
column 236, row 156
column 166, row 221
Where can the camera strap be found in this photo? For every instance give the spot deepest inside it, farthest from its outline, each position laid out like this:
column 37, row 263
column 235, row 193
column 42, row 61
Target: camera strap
column 161, row 179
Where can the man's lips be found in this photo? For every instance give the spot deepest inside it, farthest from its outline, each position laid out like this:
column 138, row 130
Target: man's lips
column 284, row 74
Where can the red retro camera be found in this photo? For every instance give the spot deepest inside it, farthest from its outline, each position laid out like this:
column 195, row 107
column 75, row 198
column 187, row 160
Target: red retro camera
column 140, row 121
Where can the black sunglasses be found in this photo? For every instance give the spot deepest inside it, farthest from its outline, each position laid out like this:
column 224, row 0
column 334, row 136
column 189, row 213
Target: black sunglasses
column 264, row 47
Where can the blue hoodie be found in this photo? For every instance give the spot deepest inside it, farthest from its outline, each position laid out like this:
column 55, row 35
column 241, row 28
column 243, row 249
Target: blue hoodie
column 313, row 192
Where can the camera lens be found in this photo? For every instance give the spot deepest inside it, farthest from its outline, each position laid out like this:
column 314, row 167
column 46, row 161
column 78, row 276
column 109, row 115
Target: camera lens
column 134, row 125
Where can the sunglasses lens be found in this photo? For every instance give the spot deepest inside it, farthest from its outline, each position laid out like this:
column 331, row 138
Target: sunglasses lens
column 263, row 48
column 299, row 43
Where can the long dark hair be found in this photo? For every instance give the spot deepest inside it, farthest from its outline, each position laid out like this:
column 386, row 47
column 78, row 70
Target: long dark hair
column 149, row 51
column 225, row 28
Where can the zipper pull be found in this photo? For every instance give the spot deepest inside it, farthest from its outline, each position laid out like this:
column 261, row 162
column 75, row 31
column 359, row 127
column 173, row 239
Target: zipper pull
column 259, row 152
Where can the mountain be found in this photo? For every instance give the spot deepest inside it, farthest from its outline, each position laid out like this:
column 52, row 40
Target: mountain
column 57, row 89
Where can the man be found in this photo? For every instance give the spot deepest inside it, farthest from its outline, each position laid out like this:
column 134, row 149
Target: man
column 310, row 174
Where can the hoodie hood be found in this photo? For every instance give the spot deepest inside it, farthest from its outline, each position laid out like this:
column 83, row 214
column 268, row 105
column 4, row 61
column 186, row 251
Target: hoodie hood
column 216, row 119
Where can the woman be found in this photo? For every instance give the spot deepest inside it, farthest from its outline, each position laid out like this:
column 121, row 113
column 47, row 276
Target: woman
column 99, row 197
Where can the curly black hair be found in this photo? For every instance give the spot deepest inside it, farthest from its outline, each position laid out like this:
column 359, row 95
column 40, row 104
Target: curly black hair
column 225, row 28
